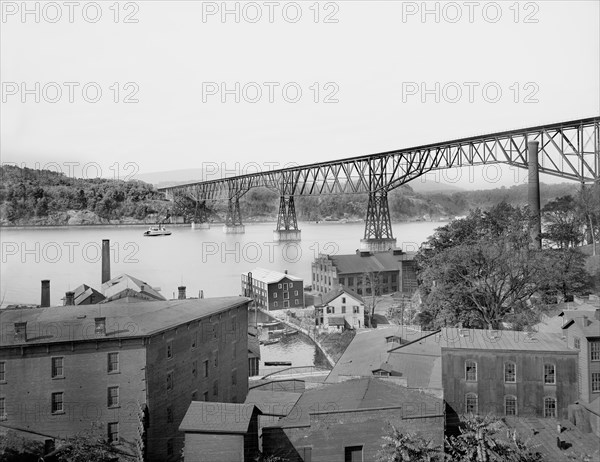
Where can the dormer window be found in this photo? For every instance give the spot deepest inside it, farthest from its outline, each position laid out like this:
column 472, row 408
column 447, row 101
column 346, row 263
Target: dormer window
column 20, row 331
column 100, row 326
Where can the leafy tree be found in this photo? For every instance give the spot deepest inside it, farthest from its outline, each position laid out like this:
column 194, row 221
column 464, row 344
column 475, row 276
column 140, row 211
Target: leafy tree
column 407, row 447
column 479, row 270
column 90, row 446
column 480, row 440
column 373, row 290
column 564, row 222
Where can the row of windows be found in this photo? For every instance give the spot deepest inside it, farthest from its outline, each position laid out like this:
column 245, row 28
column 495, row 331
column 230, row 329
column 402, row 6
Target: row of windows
column 510, row 372
column 510, row 405
column 286, row 295
column 290, row 285
column 355, row 309
column 286, row 303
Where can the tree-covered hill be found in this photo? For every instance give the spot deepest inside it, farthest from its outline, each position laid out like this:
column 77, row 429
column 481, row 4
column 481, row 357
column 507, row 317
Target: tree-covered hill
column 44, row 197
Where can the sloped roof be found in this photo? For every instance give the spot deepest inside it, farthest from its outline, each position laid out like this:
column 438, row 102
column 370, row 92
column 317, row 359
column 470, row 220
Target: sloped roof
column 278, row 403
column 83, row 292
column 381, row 261
column 336, row 320
column 355, row 394
column 254, row 346
column 269, row 276
column 589, row 326
column 213, row 417
column 368, row 350
column 123, row 320
column 125, row 281
column 335, row 293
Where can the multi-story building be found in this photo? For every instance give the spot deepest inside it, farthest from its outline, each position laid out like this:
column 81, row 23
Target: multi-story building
column 583, row 337
column 133, row 367
column 366, row 273
column 272, row 290
column 341, row 304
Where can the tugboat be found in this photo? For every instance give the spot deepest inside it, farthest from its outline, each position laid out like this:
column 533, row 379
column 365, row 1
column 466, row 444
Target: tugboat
column 157, row 231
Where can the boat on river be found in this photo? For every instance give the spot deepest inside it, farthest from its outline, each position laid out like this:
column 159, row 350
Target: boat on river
column 157, row 231
column 270, row 341
column 290, row 331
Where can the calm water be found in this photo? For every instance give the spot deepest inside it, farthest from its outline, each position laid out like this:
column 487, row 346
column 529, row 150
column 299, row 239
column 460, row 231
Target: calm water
column 205, row 260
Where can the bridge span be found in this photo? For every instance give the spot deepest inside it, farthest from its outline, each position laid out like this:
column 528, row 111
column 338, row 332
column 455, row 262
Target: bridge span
column 570, row 150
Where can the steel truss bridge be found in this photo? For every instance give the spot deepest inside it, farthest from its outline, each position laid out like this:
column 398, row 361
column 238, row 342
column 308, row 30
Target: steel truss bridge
column 570, row 150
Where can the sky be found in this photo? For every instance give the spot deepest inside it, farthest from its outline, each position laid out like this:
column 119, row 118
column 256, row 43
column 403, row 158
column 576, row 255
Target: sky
column 125, row 89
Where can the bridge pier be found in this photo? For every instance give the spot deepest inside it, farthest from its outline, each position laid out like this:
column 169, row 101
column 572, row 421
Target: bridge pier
column 287, row 225
column 200, row 220
column 378, row 225
column 233, row 220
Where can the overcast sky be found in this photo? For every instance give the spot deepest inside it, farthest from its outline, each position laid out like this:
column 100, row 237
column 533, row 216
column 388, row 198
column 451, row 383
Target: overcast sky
column 373, row 58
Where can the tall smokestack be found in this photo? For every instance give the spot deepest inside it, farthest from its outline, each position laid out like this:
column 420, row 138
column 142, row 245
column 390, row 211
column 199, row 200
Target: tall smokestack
column 45, row 293
column 105, row 260
column 181, row 290
column 534, row 194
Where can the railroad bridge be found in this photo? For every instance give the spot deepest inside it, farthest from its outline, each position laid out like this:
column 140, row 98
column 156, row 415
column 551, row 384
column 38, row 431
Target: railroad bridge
column 570, row 150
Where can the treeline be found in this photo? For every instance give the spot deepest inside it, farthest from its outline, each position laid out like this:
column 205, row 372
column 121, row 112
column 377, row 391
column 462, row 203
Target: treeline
column 28, row 195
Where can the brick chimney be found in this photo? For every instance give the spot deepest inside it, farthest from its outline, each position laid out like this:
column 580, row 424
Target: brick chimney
column 181, row 290
column 70, row 298
column 105, row 260
column 45, row 293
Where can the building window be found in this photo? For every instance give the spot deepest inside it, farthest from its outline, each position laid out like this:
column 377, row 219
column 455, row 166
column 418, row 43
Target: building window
column 113, row 432
column 274, row 294
column 341, row 281
column 113, row 362
column 2, row 371
column 234, row 377
column 2, row 408
column 169, row 380
column 595, row 350
column 550, row 407
column 194, row 368
column 470, row 371
column 595, row 382
column 169, row 414
column 194, row 339
column 279, row 286
column 330, row 310
column 286, row 304
column 471, row 403
column 57, row 368
column 113, row 396
column 206, row 368
column 577, row 343
column 286, row 295
column 169, row 349
column 343, row 309
column 205, row 396
column 194, row 395
column 356, row 309
column 170, row 447
column 216, row 355
column 549, row 374
column 57, row 403
column 353, row 454
column 295, row 293
column 275, row 304
column 510, row 405
column 296, row 301
column 216, row 388
column 285, row 286
column 343, row 299
column 510, row 372
column 350, row 281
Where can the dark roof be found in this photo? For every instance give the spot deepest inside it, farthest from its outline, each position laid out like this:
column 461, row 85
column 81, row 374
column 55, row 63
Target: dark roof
column 278, row 403
column 362, row 393
column 382, row 261
column 335, row 293
column 207, row 417
column 123, row 320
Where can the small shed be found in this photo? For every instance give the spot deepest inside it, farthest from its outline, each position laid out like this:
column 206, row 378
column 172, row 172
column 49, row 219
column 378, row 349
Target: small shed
column 227, row 432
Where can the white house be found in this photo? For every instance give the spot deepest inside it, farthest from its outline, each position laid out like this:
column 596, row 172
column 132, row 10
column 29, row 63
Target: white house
column 341, row 304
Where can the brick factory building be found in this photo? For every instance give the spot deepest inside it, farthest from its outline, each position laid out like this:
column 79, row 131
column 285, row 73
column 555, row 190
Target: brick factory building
column 135, row 367
column 273, row 290
column 366, row 273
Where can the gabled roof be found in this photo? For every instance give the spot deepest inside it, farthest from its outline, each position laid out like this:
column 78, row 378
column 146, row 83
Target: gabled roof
column 213, row 417
column 336, row 321
column 356, row 394
column 381, row 261
column 588, row 325
column 335, row 293
column 124, row 281
column 269, row 276
column 483, row 339
column 277, row 403
column 123, row 320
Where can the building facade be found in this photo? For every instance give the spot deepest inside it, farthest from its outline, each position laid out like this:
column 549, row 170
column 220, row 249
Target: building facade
column 135, row 369
column 341, row 303
column 365, row 273
column 272, row 290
